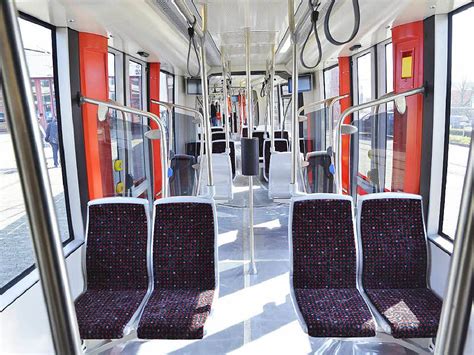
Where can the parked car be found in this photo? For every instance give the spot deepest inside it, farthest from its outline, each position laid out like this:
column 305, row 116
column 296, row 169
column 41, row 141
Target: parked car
column 459, row 121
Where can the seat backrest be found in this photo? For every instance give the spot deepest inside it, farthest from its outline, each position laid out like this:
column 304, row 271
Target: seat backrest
column 278, row 134
column 281, row 145
column 219, row 147
column 392, row 233
column 261, row 135
column 322, row 242
column 318, row 174
column 183, row 179
column 218, row 136
column 117, row 244
column 184, row 243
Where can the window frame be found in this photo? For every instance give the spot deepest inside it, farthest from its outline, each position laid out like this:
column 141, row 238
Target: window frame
column 447, row 121
column 13, row 289
column 146, row 185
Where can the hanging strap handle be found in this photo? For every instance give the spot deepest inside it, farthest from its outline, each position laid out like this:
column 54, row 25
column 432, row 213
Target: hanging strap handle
column 192, row 42
column 314, row 5
column 327, row 32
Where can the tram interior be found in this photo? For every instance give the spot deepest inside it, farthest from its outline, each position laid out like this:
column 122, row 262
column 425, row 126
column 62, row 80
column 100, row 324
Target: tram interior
column 238, row 176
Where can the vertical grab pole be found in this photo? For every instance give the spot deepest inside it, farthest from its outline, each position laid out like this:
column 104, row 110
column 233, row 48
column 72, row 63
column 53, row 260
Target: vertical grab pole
column 253, row 267
column 205, row 103
column 34, row 178
column 294, row 97
column 272, row 101
column 226, row 105
column 454, row 322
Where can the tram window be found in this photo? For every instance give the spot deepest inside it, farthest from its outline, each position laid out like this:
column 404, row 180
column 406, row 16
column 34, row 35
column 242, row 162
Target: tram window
column 15, row 245
column 461, row 118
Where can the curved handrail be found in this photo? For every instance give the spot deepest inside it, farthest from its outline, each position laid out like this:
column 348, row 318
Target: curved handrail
column 356, row 108
column 155, row 118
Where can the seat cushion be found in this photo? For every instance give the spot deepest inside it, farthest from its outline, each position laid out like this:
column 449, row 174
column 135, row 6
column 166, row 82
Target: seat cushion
column 411, row 313
column 175, row 314
column 335, row 313
column 103, row 314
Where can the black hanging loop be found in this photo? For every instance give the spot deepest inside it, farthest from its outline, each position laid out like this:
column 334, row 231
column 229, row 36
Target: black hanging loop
column 192, row 42
column 327, row 32
column 314, row 5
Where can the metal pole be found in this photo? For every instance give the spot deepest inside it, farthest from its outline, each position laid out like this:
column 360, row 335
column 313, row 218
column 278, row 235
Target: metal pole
column 294, row 95
column 457, row 304
column 205, row 104
column 272, row 101
column 253, row 267
column 226, row 106
column 351, row 110
column 34, row 178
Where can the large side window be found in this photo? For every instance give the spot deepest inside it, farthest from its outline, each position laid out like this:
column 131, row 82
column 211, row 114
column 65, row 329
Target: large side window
column 460, row 120
column 15, row 243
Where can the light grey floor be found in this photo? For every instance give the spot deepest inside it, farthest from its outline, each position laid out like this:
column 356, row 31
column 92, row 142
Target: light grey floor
column 254, row 313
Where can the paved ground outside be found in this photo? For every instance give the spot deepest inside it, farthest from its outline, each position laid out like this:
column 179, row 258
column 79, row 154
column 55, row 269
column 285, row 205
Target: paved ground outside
column 16, row 249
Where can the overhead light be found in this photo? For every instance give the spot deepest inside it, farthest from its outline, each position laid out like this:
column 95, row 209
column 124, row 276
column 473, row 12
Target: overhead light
column 355, row 47
column 143, row 54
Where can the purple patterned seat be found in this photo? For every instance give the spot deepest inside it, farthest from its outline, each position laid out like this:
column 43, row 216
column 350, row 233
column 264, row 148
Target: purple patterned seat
column 116, row 267
column 394, row 274
column 324, row 267
column 183, row 269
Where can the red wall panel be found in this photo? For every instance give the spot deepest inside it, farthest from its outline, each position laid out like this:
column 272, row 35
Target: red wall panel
column 154, row 79
column 407, row 40
column 345, row 89
column 94, row 83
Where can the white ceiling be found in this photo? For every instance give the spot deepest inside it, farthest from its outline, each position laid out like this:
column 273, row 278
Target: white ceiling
column 135, row 25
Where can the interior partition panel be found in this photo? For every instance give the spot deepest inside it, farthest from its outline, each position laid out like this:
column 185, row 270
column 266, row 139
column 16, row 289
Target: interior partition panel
column 407, row 42
column 345, row 89
column 93, row 55
column 154, row 94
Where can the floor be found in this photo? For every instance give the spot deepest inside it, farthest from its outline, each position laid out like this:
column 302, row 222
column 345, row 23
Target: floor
column 254, row 313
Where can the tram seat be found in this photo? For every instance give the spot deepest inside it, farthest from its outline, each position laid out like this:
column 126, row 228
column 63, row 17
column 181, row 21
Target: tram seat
column 281, row 145
column 394, row 246
column 193, row 148
column 222, row 169
column 116, row 268
column 184, row 176
column 284, row 135
column 184, row 269
column 261, row 135
column 219, row 147
column 279, row 177
column 216, row 136
column 318, row 175
column 324, row 267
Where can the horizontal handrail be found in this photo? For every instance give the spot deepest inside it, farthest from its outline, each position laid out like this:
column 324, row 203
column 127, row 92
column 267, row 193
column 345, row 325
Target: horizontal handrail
column 325, row 102
column 356, row 108
column 154, row 118
column 183, row 8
